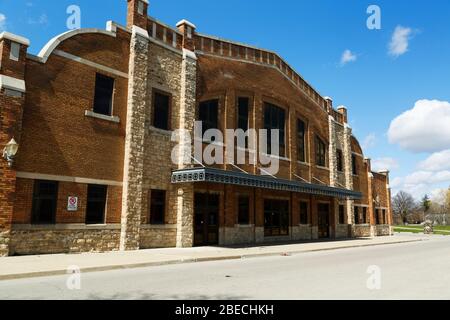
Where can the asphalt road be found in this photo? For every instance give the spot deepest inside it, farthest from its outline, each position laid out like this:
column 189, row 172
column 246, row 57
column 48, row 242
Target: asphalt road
column 418, row 270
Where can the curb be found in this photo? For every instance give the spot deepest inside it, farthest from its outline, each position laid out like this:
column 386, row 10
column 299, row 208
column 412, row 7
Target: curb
column 39, row 274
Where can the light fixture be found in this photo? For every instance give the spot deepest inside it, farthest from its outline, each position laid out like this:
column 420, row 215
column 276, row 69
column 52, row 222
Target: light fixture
column 10, row 151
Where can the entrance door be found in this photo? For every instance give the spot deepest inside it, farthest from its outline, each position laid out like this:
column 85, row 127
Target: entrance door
column 206, row 210
column 324, row 220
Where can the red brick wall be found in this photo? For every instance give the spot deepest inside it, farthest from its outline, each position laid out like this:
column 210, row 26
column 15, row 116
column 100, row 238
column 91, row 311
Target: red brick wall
column 24, row 203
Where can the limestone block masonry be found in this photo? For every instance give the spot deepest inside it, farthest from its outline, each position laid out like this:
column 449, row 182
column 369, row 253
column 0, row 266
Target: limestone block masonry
column 134, row 142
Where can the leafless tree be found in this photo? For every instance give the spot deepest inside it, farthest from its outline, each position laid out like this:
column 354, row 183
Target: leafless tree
column 403, row 205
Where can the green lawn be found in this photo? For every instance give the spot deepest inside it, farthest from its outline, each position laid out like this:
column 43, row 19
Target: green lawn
column 442, row 230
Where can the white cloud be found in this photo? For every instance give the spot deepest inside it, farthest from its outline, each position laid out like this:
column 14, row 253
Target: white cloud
column 2, row 22
column 347, row 57
column 369, row 141
column 424, row 128
column 437, row 161
column 42, row 20
column 400, row 41
column 384, row 164
column 420, row 183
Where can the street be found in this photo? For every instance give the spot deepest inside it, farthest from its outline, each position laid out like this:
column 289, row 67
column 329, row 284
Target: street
column 418, row 270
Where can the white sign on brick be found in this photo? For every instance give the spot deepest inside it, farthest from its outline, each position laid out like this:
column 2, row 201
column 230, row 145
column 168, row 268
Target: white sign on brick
column 72, row 204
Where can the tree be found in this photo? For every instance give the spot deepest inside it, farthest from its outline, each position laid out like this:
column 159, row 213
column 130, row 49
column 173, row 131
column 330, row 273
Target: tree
column 426, row 205
column 403, row 204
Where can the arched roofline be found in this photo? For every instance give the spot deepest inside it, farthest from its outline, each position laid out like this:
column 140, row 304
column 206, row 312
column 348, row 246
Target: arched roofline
column 48, row 49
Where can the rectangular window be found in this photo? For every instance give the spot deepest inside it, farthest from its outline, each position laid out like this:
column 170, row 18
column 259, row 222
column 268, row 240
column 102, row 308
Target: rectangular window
column 161, row 110
column 354, row 165
column 141, row 7
column 157, row 206
column 356, row 215
column 243, row 117
column 301, row 140
column 340, row 160
column 377, row 216
column 104, row 89
column 341, row 214
column 96, row 204
column 274, row 119
column 209, row 115
column 244, row 210
column 15, row 51
column 45, row 197
column 384, row 217
column 276, row 218
column 303, row 212
column 321, row 150
column 365, row 220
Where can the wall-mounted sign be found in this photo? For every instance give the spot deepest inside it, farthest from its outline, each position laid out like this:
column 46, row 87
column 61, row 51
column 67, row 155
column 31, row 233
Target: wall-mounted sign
column 72, row 204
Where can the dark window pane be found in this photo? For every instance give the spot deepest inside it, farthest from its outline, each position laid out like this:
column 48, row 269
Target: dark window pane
column 303, row 213
column 301, row 134
column 354, row 165
column 104, row 88
column 157, row 206
column 339, row 159
column 244, row 210
column 96, row 203
column 356, row 215
column 208, row 115
column 161, row 110
column 365, row 215
column 276, row 217
column 45, row 196
column 274, row 119
column 320, row 152
column 243, row 104
column 341, row 214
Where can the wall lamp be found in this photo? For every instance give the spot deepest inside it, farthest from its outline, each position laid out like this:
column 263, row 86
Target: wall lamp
column 10, row 151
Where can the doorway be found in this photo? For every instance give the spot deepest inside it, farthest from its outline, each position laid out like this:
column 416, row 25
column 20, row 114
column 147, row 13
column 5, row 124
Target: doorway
column 206, row 216
column 324, row 220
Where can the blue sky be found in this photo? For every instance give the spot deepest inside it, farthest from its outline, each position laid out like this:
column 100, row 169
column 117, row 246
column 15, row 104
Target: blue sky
column 376, row 85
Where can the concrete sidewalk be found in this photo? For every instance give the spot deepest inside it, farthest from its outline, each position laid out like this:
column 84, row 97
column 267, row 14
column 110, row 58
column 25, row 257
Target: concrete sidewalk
column 58, row 264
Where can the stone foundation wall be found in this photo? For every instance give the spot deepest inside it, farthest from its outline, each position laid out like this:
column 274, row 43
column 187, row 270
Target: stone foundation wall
column 237, row 235
column 301, row 233
column 157, row 237
column 341, row 231
column 53, row 240
column 383, row 230
column 362, row 230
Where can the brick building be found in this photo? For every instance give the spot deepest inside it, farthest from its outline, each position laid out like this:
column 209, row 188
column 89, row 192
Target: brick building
column 93, row 115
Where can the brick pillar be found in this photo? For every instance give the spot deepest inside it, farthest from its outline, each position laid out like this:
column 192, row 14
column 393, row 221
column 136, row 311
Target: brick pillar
column 185, row 203
column 137, row 14
column 134, row 141
column 188, row 30
column 13, row 50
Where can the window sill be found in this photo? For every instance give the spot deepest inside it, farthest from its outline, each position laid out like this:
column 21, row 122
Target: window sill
column 304, row 163
column 68, row 226
column 158, row 226
column 89, row 113
column 161, row 131
column 322, row 168
column 244, row 226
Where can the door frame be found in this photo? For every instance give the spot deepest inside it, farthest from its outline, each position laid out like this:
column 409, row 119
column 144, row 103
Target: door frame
column 329, row 217
column 205, row 213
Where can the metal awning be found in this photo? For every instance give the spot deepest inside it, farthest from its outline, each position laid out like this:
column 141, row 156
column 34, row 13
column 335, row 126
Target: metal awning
column 213, row 175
